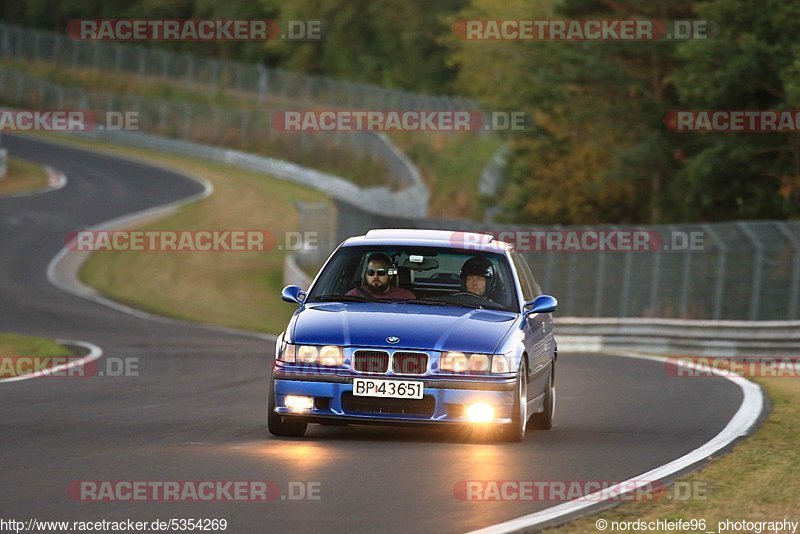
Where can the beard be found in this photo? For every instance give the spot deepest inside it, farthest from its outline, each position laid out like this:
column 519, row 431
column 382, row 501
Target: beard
column 379, row 288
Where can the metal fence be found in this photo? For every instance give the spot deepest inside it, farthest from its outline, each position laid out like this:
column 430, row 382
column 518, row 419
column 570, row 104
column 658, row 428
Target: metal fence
column 216, row 77
column 745, row 270
column 248, row 130
column 253, row 94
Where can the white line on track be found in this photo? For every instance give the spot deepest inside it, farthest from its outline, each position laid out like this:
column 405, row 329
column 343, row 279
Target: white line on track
column 69, row 282
column 94, row 353
column 742, row 422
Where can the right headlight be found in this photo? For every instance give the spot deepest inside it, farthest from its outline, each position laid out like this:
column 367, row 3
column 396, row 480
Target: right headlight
column 307, row 354
column 329, row 355
column 287, row 352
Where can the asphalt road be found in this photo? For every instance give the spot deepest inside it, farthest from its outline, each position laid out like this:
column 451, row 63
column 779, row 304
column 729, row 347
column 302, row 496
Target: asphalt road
column 196, row 410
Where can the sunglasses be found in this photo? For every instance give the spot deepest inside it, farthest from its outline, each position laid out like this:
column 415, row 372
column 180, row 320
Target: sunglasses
column 379, row 272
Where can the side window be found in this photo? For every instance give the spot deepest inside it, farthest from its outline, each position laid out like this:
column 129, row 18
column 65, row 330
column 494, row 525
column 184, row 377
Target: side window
column 505, row 291
column 524, row 276
column 532, row 280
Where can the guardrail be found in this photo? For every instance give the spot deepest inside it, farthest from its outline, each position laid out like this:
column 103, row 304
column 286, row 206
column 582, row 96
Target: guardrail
column 737, row 270
column 655, row 336
column 677, row 336
column 202, row 128
column 374, row 199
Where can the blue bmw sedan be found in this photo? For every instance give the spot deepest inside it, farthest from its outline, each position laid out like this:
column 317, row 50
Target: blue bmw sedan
column 417, row 327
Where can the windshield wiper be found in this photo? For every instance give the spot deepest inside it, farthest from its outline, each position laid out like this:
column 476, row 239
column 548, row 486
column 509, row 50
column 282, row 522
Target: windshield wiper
column 437, row 302
column 342, row 298
column 427, row 302
column 483, row 305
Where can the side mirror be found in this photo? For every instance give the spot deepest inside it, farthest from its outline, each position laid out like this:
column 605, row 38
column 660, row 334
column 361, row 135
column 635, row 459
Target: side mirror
column 293, row 294
column 541, row 304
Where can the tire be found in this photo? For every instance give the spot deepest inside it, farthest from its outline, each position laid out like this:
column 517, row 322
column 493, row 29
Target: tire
column 544, row 420
column 277, row 426
column 515, row 431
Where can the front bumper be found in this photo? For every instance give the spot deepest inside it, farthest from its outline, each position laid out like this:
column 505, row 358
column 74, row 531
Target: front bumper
column 449, row 399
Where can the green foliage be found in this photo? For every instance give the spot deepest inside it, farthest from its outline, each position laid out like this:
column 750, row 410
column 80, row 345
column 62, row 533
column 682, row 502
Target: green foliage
column 754, row 63
column 597, row 109
column 598, row 150
column 387, row 42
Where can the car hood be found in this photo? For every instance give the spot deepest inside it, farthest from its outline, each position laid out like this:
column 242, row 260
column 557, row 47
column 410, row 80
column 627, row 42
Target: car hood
column 418, row 326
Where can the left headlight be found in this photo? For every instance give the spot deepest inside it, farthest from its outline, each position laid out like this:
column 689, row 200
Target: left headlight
column 328, row 355
column 459, row 362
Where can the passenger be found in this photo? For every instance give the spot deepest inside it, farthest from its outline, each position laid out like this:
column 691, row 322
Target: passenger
column 378, row 281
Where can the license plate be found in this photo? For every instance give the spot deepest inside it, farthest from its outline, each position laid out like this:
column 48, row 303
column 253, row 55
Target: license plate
column 396, row 389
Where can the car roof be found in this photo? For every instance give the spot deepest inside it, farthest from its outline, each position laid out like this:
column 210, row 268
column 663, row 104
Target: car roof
column 432, row 238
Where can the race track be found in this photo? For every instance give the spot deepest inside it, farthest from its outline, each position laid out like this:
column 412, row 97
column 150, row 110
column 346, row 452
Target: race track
column 197, row 409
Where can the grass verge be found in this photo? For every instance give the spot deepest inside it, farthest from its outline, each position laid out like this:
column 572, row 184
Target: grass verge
column 14, row 345
column 758, row 481
column 22, row 176
column 236, row 289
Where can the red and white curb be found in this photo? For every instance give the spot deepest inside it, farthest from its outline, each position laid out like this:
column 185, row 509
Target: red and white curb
column 55, row 181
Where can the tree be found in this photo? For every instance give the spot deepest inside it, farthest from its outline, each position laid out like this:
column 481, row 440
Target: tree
column 754, row 63
column 387, row 42
column 598, row 151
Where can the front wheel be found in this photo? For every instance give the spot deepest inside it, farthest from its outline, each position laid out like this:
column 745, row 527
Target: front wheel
column 515, row 431
column 277, row 426
column 544, row 420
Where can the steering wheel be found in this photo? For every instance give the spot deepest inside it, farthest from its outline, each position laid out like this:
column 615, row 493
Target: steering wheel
column 468, row 294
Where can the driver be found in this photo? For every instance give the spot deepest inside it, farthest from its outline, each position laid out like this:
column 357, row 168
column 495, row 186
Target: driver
column 477, row 277
column 377, row 277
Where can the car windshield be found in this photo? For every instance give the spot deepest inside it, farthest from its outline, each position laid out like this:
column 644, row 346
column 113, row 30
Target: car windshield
column 420, row 275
